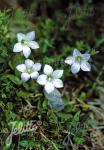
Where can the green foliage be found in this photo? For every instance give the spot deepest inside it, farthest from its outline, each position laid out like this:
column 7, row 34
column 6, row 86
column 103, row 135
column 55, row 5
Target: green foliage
column 21, row 102
column 4, row 37
column 47, row 30
column 28, row 143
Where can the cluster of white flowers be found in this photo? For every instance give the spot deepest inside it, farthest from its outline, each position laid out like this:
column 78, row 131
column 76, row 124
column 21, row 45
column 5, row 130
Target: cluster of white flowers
column 50, row 79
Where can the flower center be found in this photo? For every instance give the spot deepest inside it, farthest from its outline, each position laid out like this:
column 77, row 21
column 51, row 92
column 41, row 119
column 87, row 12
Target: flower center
column 49, row 78
column 24, row 41
column 79, row 58
column 29, row 71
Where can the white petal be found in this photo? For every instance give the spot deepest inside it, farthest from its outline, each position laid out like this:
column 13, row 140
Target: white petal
column 29, row 63
column 34, row 75
column 36, row 67
column 76, row 52
column 69, row 60
column 31, row 35
column 33, row 44
column 20, row 36
column 75, row 68
column 17, row 47
column 25, row 76
column 21, row 67
column 42, row 79
column 58, row 83
column 26, row 51
column 57, row 74
column 48, row 69
column 86, row 56
column 49, row 87
column 85, row 66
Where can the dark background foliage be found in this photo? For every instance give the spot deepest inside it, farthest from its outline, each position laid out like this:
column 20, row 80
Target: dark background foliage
column 60, row 27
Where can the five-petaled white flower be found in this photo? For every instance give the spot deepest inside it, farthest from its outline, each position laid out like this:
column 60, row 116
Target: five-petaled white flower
column 50, row 79
column 29, row 70
column 78, row 61
column 25, row 42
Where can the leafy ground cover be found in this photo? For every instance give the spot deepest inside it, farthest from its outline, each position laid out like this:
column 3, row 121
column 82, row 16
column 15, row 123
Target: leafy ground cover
column 60, row 27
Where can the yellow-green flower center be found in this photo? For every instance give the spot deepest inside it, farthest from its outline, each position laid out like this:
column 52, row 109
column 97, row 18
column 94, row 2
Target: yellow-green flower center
column 24, row 41
column 49, row 78
column 79, row 58
column 29, row 71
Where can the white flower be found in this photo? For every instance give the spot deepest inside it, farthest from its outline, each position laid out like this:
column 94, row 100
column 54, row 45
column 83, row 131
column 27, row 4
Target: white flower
column 29, row 70
column 78, row 61
column 50, row 79
column 25, row 42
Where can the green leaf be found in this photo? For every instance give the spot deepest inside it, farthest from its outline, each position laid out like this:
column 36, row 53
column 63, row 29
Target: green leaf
column 45, row 104
column 14, row 79
column 29, row 143
column 23, row 143
column 79, row 140
column 64, row 117
column 53, row 118
column 77, row 116
column 23, row 94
